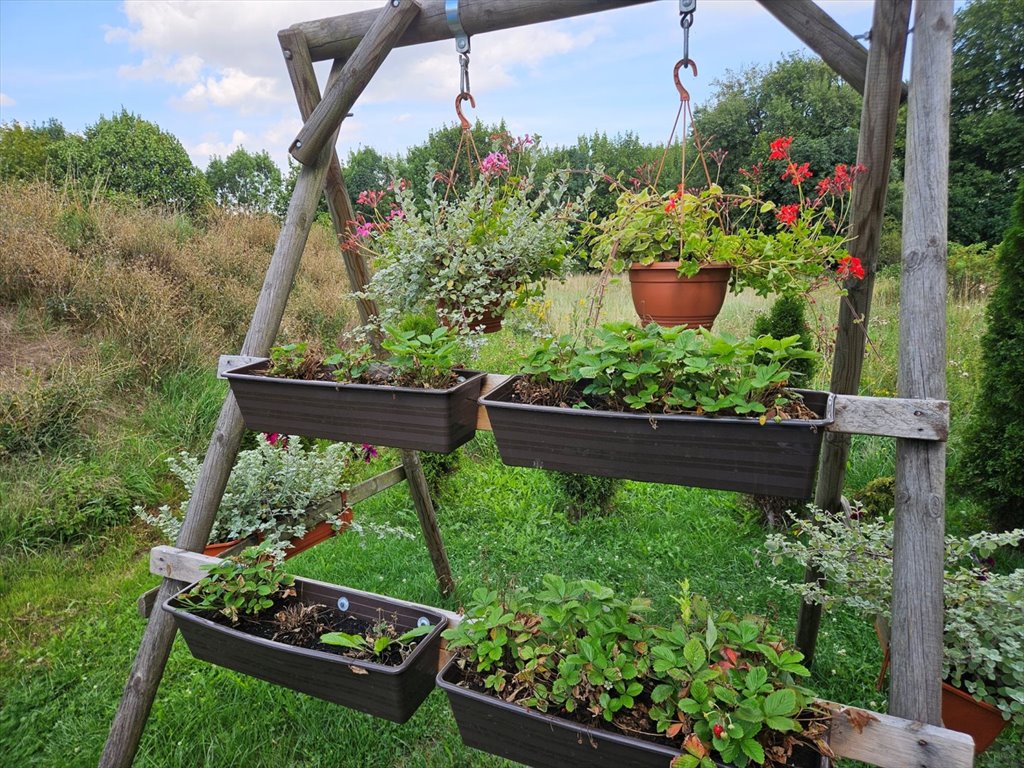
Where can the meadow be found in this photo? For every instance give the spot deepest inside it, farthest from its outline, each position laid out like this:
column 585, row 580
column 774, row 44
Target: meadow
column 111, row 319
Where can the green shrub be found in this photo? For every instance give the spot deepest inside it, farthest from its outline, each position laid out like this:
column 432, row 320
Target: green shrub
column 990, row 468
column 972, row 270
column 877, row 499
column 787, row 318
column 437, row 467
column 586, row 494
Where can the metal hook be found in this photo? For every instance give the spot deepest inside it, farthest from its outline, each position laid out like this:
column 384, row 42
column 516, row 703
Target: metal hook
column 458, row 108
column 684, row 95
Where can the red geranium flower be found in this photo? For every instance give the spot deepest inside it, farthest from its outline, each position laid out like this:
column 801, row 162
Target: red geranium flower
column 850, row 266
column 780, row 148
column 798, row 173
column 788, row 214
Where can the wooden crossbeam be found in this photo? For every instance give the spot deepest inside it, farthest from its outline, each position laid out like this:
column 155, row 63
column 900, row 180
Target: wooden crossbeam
column 337, row 37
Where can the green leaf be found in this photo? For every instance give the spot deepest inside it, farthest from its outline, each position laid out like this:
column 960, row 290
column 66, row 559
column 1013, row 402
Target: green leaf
column 662, row 692
column 753, row 750
column 418, row 631
column 344, row 639
column 779, row 703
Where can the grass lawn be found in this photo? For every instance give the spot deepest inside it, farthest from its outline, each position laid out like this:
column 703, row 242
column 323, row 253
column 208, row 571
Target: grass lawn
column 69, row 629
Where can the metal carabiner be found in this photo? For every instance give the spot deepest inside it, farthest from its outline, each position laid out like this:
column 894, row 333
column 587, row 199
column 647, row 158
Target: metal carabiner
column 684, row 95
column 464, row 96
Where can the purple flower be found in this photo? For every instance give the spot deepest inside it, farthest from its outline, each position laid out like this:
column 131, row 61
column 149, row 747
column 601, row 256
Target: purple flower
column 369, row 453
column 364, row 229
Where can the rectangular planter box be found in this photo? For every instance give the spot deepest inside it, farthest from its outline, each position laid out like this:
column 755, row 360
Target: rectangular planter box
column 390, row 692
column 533, row 738
column 729, row 453
column 438, row 420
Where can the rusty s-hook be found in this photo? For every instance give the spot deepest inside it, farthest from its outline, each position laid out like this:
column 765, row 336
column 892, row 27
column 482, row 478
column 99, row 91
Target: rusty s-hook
column 684, row 95
column 466, row 96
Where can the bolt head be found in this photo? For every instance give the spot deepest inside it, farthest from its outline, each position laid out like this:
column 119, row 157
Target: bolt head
column 288, row 54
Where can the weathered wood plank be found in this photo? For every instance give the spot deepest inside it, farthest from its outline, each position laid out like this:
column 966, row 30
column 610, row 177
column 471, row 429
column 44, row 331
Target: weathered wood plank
column 891, row 742
column 892, row 417
column 338, row 36
column 874, row 150
column 919, row 525
column 384, row 32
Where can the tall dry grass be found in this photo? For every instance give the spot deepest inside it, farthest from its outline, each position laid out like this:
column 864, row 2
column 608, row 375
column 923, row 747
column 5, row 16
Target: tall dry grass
column 170, row 292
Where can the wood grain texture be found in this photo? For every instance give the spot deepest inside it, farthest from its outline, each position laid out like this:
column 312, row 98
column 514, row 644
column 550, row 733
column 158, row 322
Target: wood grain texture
column 493, row 381
column 420, row 493
column 919, row 527
column 391, row 20
column 891, row 742
column 892, row 417
column 879, row 110
column 338, row 36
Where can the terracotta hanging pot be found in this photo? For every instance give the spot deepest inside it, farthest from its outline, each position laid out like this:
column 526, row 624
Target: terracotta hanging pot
column 320, row 532
column 217, row 548
column 662, row 296
column 978, row 719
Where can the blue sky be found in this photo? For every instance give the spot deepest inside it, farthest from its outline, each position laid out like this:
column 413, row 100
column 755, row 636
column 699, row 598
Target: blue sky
column 211, row 73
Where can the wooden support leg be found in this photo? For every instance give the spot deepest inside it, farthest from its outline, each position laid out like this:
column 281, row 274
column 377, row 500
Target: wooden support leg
column 428, row 520
column 307, row 94
column 883, row 86
column 137, row 699
column 919, row 530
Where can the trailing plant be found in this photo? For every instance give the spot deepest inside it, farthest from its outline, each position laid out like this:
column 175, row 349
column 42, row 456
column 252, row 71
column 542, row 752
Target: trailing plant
column 272, row 490
column 773, row 247
column 244, row 585
column 719, row 685
column 990, row 468
column 983, row 632
column 483, row 250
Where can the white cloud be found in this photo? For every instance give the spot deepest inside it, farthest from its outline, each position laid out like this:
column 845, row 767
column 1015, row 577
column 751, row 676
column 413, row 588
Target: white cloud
column 210, row 145
column 181, row 69
column 6, row 101
column 233, row 89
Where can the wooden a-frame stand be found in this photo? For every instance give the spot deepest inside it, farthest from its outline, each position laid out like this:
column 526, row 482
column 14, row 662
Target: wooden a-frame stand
column 358, row 44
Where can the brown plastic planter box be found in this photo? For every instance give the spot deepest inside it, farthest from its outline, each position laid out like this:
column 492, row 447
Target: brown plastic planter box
column 527, row 736
column 390, row 692
column 437, row 420
column 732, row 454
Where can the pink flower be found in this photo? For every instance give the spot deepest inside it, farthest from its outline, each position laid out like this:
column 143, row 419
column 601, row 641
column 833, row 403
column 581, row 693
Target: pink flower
column 396, row 213
column 364, row 229
column 275, row 439
column 369, row 453
column 494, row 162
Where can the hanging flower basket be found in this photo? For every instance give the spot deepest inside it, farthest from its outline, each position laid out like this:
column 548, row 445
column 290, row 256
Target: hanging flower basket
column 437, row 420
column 390, row 692
column 662, row 295
column 728, row 453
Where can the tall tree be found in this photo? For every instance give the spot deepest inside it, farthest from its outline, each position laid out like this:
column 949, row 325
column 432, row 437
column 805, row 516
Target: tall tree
column 245, row 182
column 993, row 454
column 25, row 151
column 987, row 127
column 133, row 156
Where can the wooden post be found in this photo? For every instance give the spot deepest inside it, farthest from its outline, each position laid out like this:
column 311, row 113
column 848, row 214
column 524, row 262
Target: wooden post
column 307, row 92
column 877, row 135
column 919, row 532
column 140, row 689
